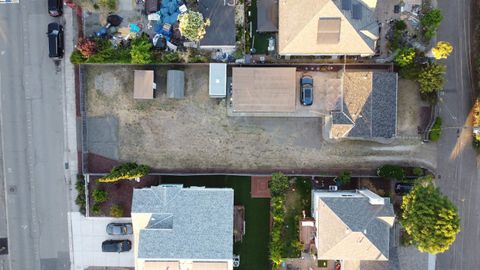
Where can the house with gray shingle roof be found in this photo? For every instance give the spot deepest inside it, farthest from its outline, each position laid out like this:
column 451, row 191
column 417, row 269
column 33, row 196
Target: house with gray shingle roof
column 183, row 228
column 352, row 226
column 368, row 106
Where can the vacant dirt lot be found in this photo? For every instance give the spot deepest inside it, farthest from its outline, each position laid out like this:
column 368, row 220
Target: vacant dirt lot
column 196, row 134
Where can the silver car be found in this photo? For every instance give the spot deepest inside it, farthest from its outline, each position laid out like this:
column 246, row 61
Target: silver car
column 119, row 228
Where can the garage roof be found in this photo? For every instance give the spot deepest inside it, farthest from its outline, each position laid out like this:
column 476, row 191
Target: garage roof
column 264, row 89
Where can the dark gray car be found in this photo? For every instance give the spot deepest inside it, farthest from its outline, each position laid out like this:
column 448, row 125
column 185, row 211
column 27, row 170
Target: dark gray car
column 119, row 228
column 306, row 91
column 116, row 246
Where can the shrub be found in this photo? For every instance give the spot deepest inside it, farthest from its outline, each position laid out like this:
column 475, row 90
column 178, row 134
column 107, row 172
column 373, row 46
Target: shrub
column 391, row 171
column 77, row 58
column 116, row 211
column 99, row 196
column 410, row 72
column 80, row 201
column 436, row 131
column 417, row 171
column 431, row 78
column 108, row 4
column 192, row 26
column 86, row 47
column 405, row 57
column 278, row 185
column 344, row 178
column 129, row 171
column 430, row 21
column 141, row 50
column 96, row 211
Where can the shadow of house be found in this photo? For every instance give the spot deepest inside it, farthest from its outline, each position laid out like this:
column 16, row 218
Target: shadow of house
column 368, row 106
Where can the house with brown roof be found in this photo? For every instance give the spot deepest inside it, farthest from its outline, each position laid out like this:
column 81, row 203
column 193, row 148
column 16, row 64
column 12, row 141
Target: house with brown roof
column 327, row 27
column 352, row 227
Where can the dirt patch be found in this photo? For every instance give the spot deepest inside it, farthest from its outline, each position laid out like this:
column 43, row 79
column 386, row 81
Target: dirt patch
column 195, row 133
column 410, row 106
column 119, row 193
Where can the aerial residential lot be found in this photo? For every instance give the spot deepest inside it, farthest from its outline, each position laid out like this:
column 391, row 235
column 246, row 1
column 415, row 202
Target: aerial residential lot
column 195, row 133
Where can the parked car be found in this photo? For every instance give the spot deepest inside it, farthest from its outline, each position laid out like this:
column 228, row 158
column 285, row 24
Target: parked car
column 403, row 188
column 116, row 246
column 119, row 228
column 306, row 92
column 55, row 40
column 55, row 8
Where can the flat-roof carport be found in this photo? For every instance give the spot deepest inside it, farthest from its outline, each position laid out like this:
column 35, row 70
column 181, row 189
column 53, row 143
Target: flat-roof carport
column 264, row 89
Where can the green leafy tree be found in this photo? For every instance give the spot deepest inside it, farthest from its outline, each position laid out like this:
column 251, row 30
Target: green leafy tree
column 99, row 195
column 430, row 21
column 442, row 50
column 344, row 178
column 391, row 171
column 431, row 78
column 129, row 171
column 278, row 185
column 192, row 25
column 429, row 217
column 141, row 51
column 116, row 211
column 96, row 210
column 405, row 57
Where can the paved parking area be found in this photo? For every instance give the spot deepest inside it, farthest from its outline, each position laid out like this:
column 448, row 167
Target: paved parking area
column 87, row 237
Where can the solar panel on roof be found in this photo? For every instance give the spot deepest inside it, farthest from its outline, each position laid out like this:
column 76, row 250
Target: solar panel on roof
column 346, row 4
column 357, row 12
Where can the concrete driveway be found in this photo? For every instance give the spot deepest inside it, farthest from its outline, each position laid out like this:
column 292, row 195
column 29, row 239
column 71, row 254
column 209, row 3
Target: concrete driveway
column 87, row 237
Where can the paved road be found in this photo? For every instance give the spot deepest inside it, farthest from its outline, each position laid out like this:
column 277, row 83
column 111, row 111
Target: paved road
column 31, row 88
column 459, row 172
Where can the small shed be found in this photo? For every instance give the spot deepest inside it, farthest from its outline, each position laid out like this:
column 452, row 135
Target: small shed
column 143, row 84
column 218, row 80
column 175, row 84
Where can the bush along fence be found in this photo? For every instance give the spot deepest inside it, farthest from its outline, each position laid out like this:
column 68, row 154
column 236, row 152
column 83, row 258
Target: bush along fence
column 278, row 187
column 128, row 171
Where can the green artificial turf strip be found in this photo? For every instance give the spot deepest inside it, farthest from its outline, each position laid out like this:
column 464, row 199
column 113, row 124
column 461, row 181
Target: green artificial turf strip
column 253, row 250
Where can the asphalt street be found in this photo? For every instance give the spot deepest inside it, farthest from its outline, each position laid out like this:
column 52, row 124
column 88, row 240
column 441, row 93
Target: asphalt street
column 457, row 174
column 32, row 92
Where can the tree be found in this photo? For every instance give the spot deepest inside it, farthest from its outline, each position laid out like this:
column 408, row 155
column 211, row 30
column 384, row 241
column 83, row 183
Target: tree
column 429, row 217
column 129, row 171
column 86, row 47
column 405, row 57
column 192, row 25
column 344, row 178
column 431, row 78
column 430, row 21
column 141, row 51
column 442, row 50
column 278, row 185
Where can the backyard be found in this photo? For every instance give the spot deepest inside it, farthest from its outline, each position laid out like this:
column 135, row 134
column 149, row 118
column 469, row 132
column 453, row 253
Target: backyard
column 253, row 249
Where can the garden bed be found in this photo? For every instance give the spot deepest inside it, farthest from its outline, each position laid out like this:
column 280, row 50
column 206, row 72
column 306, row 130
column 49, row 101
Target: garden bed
column 119, row 193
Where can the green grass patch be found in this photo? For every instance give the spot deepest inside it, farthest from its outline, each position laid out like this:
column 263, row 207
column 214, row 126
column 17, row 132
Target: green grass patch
column 436, row 130
column 253, row 249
